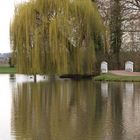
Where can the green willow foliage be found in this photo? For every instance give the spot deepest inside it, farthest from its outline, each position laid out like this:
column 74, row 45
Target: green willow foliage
column 55, row 36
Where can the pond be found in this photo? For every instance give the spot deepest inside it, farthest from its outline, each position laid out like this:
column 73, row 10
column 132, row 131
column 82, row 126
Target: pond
column 56, row 109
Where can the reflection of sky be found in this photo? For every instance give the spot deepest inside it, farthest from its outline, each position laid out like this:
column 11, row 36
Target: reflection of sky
column 5, row 107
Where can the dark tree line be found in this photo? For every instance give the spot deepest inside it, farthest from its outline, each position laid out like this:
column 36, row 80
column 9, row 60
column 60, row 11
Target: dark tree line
column 123, row 21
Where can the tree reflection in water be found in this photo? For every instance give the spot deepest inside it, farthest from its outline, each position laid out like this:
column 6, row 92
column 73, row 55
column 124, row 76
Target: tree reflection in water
column 74, row 110
column 55, row 110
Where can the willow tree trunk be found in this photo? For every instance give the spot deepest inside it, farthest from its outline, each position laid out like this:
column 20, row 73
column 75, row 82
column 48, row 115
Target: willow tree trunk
column 35, row 78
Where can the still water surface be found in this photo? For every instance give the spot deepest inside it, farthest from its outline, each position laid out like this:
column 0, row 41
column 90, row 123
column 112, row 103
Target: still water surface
column 68, row 110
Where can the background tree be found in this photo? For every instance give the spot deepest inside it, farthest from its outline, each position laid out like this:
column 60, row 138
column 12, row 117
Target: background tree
column 116, row 30
column 131, row 25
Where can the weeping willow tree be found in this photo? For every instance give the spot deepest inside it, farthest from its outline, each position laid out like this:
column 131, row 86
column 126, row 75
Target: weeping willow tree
column 55, row 37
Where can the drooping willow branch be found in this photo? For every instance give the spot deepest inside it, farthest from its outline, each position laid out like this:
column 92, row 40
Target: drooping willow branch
column 55, row 37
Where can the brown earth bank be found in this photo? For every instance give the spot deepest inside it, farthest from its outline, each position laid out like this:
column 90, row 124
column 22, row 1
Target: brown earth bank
column 76, row 76
column 124, row 73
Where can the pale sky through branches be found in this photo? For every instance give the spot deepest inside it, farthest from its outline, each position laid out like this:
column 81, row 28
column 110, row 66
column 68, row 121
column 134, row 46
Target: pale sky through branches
column 6, row 13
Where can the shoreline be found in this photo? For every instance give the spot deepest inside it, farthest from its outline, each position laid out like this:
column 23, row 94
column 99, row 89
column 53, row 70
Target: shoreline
column 119, row 76
column 7, row 70
column 114, row 75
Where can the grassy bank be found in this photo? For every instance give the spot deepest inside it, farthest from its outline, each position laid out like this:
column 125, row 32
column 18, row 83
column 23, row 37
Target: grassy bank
column 112, row 77
column 7, row 70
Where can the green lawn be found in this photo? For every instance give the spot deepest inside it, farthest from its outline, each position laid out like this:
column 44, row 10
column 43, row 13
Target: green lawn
column 112, row 77
column 7, row 70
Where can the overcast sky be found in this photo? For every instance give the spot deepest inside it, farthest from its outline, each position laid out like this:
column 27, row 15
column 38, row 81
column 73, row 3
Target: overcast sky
column 6, row 13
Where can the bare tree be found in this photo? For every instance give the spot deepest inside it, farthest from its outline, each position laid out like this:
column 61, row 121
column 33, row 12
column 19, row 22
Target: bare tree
column 130, row 19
